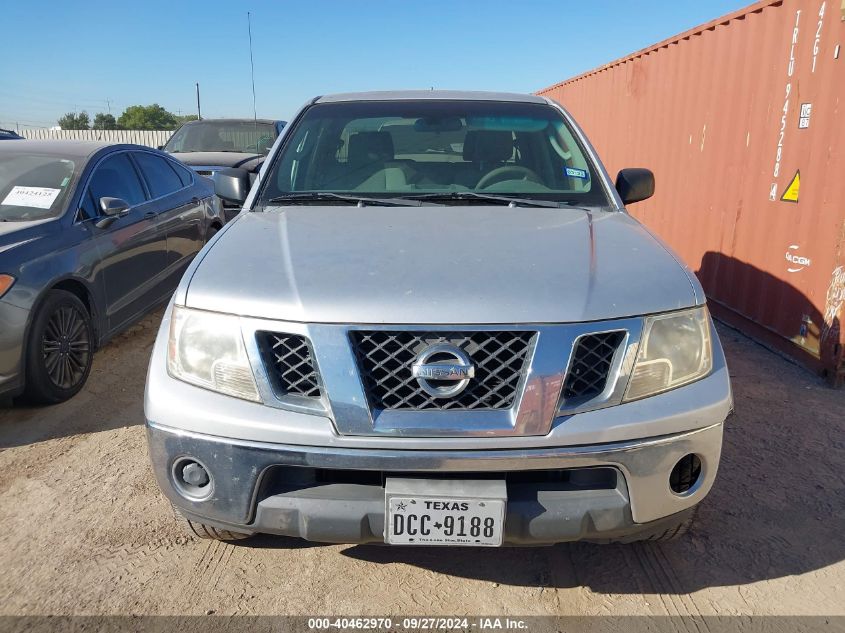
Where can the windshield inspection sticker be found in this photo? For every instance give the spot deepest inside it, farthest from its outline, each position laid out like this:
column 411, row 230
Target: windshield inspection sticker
column 576, row 173
column 34, row 197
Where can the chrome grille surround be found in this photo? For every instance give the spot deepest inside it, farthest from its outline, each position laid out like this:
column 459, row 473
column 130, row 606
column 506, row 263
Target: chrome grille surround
column 385, row 358
column 590, row 365
column 538, row 403
column 289, row 364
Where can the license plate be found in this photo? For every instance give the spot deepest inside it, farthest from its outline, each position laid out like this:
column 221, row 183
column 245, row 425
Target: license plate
column 456, row 518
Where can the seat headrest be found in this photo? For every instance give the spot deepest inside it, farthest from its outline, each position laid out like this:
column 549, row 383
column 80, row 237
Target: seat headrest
column 488, row 146
column 370, row 147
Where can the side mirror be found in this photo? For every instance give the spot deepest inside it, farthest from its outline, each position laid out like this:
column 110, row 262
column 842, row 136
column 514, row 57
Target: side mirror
column 111, row 208
column 232, row 184
column 114, row 207
column 635, row 184
column 159, row 146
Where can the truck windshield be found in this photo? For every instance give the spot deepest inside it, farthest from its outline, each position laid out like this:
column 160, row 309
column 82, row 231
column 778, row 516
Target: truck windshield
column 33, row 187
column 248, row 137
column 421, row 148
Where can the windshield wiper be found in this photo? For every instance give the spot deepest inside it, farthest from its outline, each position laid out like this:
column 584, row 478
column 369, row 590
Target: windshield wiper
column 322, row 196
column 474, row 195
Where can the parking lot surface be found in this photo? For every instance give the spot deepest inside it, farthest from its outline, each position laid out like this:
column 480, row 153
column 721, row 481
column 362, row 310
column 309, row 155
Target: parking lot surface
column 84, row 530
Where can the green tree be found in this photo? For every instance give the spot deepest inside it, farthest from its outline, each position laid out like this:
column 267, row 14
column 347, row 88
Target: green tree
column 185, row 118
column 104, row 122
column 74, row 121
column 151, row 117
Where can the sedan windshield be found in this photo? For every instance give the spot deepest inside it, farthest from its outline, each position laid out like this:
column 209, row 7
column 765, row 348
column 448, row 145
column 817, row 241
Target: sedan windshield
column 33, row 187
column 247, row 137
column 435, row 151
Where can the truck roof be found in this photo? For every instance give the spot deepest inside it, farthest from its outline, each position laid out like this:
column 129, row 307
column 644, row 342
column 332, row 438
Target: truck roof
column 451, row 95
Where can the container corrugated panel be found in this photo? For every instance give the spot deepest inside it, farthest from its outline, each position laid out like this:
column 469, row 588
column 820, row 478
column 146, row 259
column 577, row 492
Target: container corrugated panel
column 742, row 121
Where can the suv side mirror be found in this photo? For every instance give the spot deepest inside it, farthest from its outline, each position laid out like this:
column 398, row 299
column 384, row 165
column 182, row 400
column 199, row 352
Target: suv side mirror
column 112, row 209
column 232, row 184
column 635, row 184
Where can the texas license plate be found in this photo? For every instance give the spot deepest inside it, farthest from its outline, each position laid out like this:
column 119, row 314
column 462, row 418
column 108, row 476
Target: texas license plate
column 445, row 519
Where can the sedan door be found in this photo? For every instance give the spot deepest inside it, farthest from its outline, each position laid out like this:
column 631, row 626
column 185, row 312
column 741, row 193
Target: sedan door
column 181, row 212
column 133, row 248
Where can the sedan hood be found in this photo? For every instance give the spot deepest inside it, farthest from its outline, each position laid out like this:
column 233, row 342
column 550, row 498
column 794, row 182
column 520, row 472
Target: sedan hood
column 13, row 234
column 219, row 159
column 438, row 265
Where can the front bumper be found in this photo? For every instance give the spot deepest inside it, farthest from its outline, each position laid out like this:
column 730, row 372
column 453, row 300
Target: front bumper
column 13, row 323
column 271, row 488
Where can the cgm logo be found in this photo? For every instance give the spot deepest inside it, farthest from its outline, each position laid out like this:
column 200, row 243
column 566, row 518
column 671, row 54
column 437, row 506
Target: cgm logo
column 797, row 262
column 443, row 370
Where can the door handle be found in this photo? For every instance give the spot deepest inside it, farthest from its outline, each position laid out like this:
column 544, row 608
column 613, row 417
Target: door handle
column 149, row 215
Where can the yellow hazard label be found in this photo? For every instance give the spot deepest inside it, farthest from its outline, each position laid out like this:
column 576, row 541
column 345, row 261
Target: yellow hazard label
column 791, row 192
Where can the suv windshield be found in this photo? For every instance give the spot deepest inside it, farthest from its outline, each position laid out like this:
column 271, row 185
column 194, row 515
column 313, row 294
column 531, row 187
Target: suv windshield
column 33, row 187
column 249, row 137
column 424, row 148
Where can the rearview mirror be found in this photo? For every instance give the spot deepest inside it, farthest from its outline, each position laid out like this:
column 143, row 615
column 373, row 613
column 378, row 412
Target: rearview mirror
column 438, row 124
column 635, row 184
column 232, row 184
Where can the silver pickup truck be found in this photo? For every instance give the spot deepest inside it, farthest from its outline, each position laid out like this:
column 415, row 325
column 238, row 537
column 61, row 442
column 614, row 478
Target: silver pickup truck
column 435, row 324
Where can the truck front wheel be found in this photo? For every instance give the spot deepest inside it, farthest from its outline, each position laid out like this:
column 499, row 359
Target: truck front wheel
column 202, row 530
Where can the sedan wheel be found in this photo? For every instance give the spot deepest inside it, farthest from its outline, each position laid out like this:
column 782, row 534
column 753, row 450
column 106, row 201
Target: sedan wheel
column 65, row 347
column 60, row 350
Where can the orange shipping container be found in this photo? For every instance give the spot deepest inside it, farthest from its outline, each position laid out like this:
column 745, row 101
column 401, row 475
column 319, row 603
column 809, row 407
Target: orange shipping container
column 742, row 121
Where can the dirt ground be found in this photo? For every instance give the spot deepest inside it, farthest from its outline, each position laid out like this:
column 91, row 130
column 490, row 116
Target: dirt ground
column 83, row 529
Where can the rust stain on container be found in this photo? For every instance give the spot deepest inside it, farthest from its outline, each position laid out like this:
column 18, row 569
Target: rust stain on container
column 742, row 121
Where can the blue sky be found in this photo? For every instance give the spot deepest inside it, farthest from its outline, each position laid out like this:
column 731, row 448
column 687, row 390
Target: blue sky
column 69, row 56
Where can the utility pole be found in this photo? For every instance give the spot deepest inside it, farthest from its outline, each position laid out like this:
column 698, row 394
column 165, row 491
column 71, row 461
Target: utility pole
column 251, row 66
column 199, row 112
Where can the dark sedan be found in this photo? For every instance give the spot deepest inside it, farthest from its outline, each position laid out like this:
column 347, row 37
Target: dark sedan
column 9, row 135
column 92, row 237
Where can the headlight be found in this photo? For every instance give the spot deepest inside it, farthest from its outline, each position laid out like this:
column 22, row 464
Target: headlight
column 675, row 349
column 6, row 282
column 206, row 349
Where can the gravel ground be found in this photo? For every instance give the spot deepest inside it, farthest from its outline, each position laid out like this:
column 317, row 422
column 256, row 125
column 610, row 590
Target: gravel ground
column 83, row 529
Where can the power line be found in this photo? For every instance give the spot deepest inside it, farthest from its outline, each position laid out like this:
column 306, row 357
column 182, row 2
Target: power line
column 85, row 103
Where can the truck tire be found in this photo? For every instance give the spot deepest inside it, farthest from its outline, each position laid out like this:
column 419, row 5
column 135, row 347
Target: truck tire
column 60, row 349
column 673, row 532
column 201, row 530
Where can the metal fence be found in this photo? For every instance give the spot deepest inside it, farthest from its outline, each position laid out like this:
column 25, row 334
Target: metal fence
column 151, row 138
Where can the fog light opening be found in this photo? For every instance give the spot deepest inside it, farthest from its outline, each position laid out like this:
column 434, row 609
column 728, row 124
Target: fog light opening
column 192, row 479
column 685, row 474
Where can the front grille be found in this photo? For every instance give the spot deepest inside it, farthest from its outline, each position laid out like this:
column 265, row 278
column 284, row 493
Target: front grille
column 290, row 364
column 282, row 479
column 385, row 359
column 590, row 365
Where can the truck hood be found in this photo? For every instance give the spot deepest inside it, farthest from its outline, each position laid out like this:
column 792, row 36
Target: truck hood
column 243, row 160
column 438, row 265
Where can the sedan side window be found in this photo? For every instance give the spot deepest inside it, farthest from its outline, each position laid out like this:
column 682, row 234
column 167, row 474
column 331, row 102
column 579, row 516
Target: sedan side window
column 183, row 173
column 88, row 209
column 160, row 176
column 116, row 177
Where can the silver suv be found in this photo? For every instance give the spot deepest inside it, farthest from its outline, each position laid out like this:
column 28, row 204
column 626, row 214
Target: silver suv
column 434, row 323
